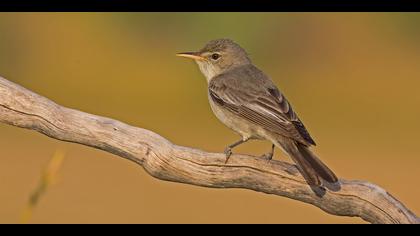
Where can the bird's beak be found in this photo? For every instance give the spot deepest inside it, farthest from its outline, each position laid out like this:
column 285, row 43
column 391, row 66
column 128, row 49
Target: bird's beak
column 192, row 55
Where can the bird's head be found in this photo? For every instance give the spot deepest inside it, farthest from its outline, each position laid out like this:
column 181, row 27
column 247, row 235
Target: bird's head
column 218, row 56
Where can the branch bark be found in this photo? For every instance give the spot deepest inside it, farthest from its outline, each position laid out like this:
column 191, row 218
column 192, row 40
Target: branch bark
column 167, row 161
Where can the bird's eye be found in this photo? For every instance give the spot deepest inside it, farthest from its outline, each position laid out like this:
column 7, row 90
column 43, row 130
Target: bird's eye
column 215, row 56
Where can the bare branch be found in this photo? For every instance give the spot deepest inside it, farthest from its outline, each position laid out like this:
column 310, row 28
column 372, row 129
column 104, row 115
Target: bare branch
column 164, row 160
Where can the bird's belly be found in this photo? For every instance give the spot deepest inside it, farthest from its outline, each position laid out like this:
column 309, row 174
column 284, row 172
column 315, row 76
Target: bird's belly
column 236, row 123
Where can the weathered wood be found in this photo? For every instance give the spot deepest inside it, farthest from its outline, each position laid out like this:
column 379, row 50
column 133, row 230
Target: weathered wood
column 164, row 160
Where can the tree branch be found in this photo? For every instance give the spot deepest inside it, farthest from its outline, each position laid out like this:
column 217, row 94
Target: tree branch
column 166, row 161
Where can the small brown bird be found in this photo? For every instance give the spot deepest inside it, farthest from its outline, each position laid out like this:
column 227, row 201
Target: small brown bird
column 248, row 102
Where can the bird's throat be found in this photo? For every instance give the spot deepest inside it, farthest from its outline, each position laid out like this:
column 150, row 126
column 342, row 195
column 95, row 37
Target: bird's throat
column 208, row 70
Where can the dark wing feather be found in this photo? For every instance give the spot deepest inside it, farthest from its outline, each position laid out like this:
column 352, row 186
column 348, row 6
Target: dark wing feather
column 260, row 103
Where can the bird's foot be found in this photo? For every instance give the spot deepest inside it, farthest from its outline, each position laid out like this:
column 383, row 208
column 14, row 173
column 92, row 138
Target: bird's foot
column 228, row 152
column 267, row 156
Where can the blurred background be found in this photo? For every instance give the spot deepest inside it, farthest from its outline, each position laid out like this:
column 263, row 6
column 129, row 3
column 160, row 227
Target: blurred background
column 353, row 78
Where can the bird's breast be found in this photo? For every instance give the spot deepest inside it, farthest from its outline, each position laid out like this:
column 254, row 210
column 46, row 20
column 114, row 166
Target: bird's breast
column 234, row 122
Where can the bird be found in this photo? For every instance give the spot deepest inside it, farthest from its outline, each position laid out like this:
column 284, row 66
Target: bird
column 247, row 101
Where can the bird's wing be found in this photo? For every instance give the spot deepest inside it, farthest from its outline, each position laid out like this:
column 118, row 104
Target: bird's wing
column 260, row 103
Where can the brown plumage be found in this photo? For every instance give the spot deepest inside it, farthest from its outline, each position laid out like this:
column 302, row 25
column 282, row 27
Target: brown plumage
column 248, row 102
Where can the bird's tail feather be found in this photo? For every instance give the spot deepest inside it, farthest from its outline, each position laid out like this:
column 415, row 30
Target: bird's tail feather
column 311, row 167
column 320, row 168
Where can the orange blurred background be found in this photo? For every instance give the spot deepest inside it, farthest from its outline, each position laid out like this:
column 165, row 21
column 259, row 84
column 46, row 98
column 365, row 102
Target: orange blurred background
column 353, row 78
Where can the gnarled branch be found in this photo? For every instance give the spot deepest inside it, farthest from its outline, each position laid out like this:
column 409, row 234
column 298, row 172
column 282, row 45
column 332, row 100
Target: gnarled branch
column 164, row 160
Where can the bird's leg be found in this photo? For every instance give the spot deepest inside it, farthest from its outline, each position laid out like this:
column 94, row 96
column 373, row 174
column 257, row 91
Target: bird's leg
column 228, row 149
column 269, row 155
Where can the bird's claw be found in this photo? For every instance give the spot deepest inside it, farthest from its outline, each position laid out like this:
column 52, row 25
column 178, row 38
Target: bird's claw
column 228, row 152
column 267, row 156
